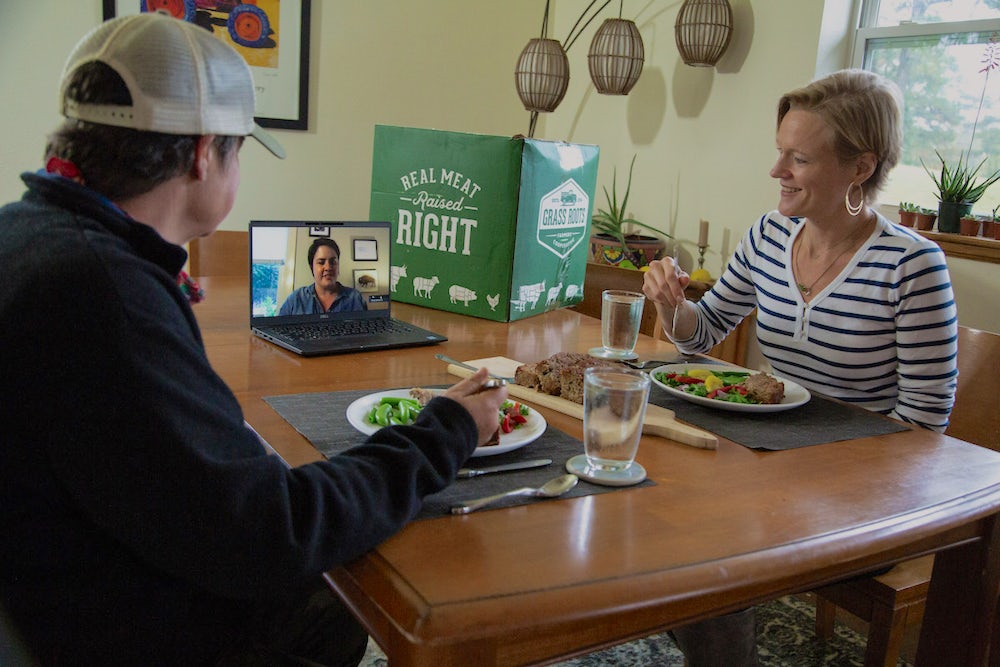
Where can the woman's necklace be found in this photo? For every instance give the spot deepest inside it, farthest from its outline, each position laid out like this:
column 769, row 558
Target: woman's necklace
column 807, row 290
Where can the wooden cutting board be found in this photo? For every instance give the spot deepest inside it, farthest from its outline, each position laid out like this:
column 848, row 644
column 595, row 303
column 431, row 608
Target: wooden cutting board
column 659, row 421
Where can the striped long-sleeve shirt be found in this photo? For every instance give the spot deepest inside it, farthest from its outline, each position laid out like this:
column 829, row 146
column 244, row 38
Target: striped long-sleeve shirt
column 882, row 335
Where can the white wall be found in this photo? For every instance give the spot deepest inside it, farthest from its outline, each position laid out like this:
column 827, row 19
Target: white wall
column 704, row 137
column 414, row 63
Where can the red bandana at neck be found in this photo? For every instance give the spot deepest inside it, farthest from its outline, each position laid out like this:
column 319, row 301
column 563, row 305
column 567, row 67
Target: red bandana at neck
column 64, row 168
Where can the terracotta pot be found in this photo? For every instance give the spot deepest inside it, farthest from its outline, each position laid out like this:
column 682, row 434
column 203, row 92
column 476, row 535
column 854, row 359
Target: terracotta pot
column 925, row 221
column 907, row 218
column 640, row 250
column 988, row 229
column 968, row 227
column 996, row 231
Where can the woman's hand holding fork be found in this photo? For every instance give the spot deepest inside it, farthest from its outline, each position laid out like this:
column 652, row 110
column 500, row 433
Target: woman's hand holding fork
column 663, row 285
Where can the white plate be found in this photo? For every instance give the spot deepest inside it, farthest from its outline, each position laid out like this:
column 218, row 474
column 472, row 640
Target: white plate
column 357, row 415
column 795, row 394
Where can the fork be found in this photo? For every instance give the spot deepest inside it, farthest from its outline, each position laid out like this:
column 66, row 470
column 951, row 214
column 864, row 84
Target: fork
column 653, row 363
column 677, row 272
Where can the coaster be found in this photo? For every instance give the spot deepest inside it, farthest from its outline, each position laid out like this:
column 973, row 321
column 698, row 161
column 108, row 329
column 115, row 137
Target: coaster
column 602, row 353
column 578, row 465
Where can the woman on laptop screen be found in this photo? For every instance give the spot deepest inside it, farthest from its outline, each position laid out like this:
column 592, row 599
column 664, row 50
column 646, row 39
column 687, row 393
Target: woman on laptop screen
column 326, row 294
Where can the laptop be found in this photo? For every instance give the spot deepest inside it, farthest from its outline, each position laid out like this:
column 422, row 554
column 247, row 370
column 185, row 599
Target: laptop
column 285, row 308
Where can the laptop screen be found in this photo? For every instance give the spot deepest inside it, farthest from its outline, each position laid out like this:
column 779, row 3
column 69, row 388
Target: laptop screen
column 349, row 259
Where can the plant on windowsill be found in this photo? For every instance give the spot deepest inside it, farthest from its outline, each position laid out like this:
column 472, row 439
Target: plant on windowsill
column 969, row 225
column 908, row 213
column 611, row 241
column 991, row 226
column 960, row 185
column 925, row 218
column 959, row 188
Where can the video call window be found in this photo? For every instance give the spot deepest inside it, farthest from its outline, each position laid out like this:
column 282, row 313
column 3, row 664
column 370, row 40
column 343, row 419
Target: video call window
column 280, row 264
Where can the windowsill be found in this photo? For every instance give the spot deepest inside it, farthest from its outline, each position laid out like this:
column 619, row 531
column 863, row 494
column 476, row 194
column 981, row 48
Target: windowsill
column 976, row 248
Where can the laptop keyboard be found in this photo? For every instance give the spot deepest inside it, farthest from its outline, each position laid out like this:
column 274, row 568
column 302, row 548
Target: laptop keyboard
column 368, row 327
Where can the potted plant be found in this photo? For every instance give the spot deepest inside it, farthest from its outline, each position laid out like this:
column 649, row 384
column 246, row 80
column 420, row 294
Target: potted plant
column 610, row 240
column 959, row 185
column 969, row 225
column 991, row 226
column 908, row 213
column 925, row 218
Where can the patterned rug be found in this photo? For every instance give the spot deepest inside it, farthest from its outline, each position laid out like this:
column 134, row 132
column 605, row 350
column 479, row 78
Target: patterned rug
column 785, row 638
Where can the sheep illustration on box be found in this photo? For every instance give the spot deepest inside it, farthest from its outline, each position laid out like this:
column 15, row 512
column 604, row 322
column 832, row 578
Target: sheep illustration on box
column 423, row 286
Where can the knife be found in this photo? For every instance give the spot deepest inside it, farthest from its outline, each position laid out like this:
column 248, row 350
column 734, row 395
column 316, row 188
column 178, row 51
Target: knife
column 519, row 465
column 462, row 364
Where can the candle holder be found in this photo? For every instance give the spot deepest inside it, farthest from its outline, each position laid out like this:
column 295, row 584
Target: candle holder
column 701, row 273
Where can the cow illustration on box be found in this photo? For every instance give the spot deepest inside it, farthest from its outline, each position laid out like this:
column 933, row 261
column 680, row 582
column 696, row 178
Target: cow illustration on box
column 395, row 273
column 528, row 295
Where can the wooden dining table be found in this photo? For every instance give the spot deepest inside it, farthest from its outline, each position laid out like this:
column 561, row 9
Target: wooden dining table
column 717, row 531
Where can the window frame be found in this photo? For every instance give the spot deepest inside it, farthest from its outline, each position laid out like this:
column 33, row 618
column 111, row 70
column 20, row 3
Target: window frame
column 866, row 12
column 864, row 34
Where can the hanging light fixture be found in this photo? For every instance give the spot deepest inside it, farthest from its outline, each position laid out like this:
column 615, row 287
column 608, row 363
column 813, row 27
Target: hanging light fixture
column 616, row 56
column 542, row 75
column 703, row 30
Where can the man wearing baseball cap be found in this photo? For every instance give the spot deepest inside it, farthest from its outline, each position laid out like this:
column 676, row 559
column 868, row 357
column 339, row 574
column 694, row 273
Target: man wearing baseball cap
column 142, row 522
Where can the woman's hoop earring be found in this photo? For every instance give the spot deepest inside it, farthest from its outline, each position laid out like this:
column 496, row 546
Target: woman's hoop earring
column 854, row 210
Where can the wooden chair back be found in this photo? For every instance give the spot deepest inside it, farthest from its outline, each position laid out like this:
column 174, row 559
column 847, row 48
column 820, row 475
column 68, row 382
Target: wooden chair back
column 976, row 417
column 600, row 277
column 892, row 601
column 223, row 253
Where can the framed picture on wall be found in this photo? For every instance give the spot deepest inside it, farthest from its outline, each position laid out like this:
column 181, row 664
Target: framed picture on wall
column 366, row 280
column 271, row 35
column 319, row 231
column 365, row 250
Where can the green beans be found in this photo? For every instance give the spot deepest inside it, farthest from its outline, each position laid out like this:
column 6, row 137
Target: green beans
column 392, row 410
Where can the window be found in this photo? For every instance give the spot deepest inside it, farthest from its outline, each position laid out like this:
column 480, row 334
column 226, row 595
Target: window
column 934, row 51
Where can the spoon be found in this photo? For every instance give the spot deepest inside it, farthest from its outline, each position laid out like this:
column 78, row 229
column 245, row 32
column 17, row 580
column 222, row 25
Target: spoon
column 551, row 489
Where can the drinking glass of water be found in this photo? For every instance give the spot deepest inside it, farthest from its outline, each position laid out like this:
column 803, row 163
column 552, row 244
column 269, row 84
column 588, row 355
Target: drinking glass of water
column 614, row 408
column 621, row 315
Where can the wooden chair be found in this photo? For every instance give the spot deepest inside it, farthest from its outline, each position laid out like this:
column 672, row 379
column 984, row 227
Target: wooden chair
column 894, row 600
column 223, row 253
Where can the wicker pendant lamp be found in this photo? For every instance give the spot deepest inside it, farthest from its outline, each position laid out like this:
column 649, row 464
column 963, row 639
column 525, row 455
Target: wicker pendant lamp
column 542, row 75
column 703, row 30
column 616, row 56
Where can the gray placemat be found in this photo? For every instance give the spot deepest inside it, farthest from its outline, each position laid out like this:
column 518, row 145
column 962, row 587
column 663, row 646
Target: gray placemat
column 819, row 421
column 320, row 418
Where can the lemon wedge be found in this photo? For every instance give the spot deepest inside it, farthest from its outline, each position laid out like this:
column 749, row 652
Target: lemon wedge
column 713, row 382
column 700, row 373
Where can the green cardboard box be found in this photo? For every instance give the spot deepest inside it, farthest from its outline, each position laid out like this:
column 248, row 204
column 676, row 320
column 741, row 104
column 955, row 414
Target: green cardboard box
column 494, row 227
